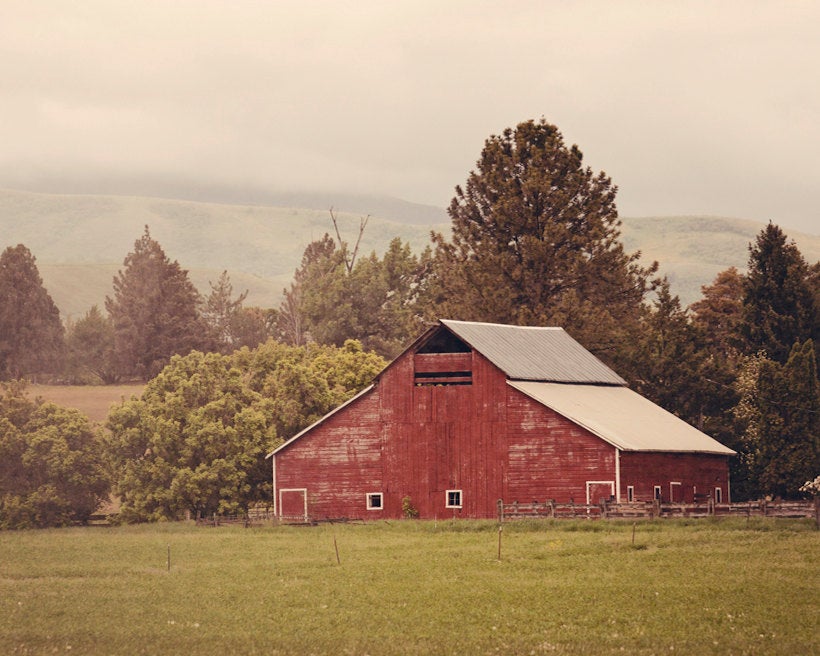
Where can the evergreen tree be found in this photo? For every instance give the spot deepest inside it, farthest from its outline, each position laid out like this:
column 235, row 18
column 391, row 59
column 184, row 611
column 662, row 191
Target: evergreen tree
column 90, row 349
column 334, row 299
column 155, row 311
column 535, row 241
column 778, row 299
column 31, row 334
column 221, row 311
column 719, row 312
column 670, row 361
column 789, row 422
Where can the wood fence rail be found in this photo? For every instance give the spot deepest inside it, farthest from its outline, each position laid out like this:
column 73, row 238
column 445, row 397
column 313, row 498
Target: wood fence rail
column 656, row 509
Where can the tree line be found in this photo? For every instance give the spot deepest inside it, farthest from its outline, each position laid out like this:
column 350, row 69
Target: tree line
column 534, row 240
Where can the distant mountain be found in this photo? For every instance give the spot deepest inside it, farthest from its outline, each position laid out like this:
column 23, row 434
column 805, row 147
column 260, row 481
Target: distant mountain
column 80, row 241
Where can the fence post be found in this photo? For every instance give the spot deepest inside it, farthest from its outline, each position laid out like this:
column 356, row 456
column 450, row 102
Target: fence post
column 500, row 511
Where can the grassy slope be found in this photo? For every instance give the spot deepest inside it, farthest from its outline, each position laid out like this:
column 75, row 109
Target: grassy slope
column 414, row 587
column 81, row 241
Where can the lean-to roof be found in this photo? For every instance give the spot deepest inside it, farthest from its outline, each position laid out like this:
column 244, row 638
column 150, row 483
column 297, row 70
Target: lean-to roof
column 534, row 353
column 622, row 417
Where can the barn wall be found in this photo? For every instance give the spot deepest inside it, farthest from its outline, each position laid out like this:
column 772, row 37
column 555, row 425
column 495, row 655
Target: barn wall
column 338, row 463
column 550, row 457
column 486, row 439
column 448, row 437
column 696, row 473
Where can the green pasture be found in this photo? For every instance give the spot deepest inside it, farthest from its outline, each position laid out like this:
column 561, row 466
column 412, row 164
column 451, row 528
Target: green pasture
column 411, row 587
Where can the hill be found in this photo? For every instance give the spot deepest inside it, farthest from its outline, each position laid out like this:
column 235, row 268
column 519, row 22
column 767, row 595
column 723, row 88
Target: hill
column 80, row 241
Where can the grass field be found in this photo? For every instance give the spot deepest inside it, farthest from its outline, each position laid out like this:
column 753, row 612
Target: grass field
column 92, row 400
column 698, row 587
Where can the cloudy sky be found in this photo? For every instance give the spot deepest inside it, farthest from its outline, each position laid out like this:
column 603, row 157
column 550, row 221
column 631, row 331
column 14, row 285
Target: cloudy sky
column 690, row 107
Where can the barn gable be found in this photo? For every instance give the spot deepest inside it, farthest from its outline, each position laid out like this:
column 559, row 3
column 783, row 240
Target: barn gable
column 474, row 412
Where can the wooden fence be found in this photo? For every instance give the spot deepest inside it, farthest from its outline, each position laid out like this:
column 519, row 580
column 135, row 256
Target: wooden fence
column 656, row 509
column 254, row 517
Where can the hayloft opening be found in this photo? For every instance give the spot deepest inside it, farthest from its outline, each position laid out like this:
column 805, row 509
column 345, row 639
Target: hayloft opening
column 443, row 360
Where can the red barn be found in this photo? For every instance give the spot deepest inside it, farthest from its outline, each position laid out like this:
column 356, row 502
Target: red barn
column 473, row 412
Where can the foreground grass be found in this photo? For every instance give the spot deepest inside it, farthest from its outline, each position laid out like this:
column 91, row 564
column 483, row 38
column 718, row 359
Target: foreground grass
column 728, row 587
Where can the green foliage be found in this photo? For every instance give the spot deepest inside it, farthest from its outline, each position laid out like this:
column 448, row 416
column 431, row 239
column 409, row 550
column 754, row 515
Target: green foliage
column 335, row 297
column 535, row 241
column 155, row 311
column 778, row 420
column 195, row 442
column 778, row 301
column 408, row 509
column 31, row 335
column 221, row 313
column 52, row 469
column 90, row 349
column 671, row 364
column 789, row 422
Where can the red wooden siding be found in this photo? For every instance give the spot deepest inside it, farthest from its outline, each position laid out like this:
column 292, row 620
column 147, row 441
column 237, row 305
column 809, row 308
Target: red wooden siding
column 550, row 457
column 486, row 439
column 696, row 472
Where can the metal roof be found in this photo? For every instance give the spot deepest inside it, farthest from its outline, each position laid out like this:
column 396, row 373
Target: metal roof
column 534, row 353
column 622, row 418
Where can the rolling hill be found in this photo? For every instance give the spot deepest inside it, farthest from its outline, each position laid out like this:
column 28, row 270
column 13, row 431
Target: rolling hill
column 80, row 241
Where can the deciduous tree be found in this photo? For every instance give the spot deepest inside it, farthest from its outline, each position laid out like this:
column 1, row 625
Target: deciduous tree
column 52, row 466
column 195, row 441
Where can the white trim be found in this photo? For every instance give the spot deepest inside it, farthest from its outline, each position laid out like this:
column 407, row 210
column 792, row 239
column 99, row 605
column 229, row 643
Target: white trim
column 368, row 500
column 718, row 493
column 610, row 483
column 303, row 490
column 617, row 474
column 447, row 499
column 672, row 494
column 630, row 493
column 273, row 491
column 657, row 493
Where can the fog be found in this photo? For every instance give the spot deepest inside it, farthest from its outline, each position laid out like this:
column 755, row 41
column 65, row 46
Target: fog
column 691, row 108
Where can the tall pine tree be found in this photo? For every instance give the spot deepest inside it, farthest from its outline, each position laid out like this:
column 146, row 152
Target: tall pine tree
column 535, row 241
column 155, row 311
column 778, row 298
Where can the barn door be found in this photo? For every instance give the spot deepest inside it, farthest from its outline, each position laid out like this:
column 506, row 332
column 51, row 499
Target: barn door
column 293, row 504
column 598, row 490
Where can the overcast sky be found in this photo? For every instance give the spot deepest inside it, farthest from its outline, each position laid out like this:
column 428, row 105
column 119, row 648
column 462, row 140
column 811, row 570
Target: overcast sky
column 690, row 107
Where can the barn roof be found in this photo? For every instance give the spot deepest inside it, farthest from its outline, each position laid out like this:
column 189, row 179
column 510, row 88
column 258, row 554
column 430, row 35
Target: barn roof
column 621, row 417
column 534, row 353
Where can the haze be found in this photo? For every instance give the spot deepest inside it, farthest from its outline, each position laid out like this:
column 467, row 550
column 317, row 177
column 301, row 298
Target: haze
column 691, row 108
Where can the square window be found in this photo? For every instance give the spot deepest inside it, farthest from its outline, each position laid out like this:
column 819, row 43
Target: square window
column 453, row 498
column 375, row 501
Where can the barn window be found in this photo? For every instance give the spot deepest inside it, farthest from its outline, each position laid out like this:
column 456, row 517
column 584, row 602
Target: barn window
column 375, row 501
column 454, row 498
column 718, row 495
column 630, row 493
column 657, row 493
